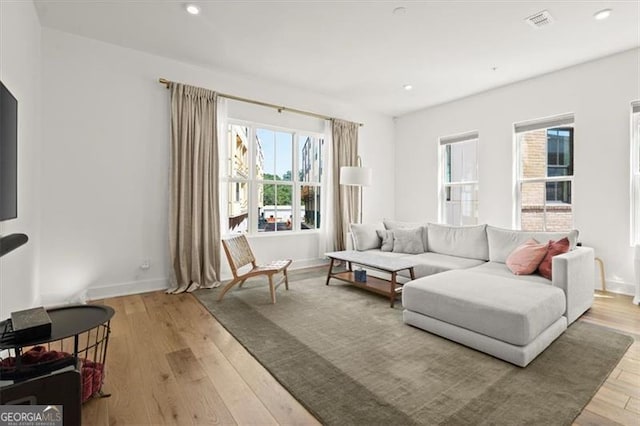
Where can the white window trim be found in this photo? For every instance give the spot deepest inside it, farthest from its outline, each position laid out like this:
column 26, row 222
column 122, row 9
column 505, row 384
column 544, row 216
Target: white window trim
column 442, row 156
column 528, row 126
column 634, row 214
column 225, row 179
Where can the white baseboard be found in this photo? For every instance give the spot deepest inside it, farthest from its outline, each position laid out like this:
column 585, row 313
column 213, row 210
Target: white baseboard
column 125, row 289
column 145, row 286
column 308, row 263
column 620, row 287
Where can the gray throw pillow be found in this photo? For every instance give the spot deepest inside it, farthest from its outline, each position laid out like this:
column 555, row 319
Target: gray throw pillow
column 394, row 224
column 408, row 241
column 387, row 240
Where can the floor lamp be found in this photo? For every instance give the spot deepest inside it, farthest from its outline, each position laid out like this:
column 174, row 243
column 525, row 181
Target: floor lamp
column 356, row 176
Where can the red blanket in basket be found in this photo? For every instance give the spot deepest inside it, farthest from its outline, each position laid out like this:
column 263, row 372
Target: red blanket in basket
column 92, row 375
column 92, row 372
column 35, row 355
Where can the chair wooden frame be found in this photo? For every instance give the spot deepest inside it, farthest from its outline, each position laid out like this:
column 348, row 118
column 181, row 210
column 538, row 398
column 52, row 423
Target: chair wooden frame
column 239, row 254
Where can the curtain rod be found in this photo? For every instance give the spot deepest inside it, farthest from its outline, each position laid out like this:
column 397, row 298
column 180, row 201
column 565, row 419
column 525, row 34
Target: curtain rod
column 264, row 104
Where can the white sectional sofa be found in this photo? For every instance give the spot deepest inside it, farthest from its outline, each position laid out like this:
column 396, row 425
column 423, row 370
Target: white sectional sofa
column 464, row 291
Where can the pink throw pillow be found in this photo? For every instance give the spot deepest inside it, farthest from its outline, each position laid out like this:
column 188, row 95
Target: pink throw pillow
column 555, row 248
column 524, row 260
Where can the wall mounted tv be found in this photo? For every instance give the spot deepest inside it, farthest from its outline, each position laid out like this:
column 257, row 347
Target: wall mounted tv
column 8, row 154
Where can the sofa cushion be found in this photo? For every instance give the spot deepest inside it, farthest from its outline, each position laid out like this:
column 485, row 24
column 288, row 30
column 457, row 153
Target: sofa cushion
column 463, row 241
column 394, row 224
column 433, row 263
column 501, row 269
column 408, row 240
column 510, row 310
column 365, row 236
column 503, row 241
column 526, row 258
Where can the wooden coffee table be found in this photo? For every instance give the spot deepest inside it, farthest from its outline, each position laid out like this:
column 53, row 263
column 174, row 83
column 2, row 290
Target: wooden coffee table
column 390, row 288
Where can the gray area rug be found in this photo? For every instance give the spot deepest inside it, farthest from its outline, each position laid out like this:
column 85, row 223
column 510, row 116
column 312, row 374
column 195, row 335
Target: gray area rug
column 349, row 359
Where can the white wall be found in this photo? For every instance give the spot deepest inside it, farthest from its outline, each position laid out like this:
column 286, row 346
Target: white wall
column 598, row 92
column 105, row 174
column 20, row 71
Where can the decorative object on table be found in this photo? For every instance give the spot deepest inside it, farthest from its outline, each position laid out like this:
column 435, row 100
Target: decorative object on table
column 356, row 176
column 30, row 324
column 360, row 275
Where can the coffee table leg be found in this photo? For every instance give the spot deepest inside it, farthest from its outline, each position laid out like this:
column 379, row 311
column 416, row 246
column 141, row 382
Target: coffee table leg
column 392, row 294
column 330, row 270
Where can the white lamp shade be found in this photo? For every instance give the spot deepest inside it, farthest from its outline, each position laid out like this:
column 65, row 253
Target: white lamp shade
column 355, row 176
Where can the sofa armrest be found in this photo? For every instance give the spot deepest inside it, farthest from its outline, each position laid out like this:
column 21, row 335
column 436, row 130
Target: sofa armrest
column 573, row 272
column 349, row 243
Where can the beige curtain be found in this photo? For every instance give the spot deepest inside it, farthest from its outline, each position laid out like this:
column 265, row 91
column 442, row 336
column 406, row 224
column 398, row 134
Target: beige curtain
column 345, row 201
column 194, row 225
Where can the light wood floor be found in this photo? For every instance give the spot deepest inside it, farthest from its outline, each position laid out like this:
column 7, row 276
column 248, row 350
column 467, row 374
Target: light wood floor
column 171, row 362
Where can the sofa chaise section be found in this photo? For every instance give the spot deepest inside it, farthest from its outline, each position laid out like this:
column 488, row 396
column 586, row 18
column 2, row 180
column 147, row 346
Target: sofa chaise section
column 572, row 273
column 507, row 318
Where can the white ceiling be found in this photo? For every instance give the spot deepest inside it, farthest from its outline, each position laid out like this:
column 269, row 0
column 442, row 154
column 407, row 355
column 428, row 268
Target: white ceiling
column 359, row 51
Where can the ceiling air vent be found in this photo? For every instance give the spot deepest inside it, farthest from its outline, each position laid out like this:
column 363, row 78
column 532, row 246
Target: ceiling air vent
column 540, row 19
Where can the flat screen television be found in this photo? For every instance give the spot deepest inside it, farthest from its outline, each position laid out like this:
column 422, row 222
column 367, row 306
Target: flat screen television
column 8, row 154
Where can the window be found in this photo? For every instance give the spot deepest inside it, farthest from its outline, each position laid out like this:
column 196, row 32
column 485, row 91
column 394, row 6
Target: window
column 544, row 152
column 635, row 173
column 275, row 173
column 459, row 179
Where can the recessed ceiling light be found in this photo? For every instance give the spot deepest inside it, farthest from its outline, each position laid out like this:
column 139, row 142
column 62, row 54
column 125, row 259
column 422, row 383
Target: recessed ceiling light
column 602, row 14
column 407, row 87
column 192, row 9
column 400, row 10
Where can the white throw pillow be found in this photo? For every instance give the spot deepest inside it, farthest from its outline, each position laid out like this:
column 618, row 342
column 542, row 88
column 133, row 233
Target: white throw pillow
column 387, row 239
column 365, row 236
column 408, row 241
column 394, row 224
column 504, row 241
column 462, row 241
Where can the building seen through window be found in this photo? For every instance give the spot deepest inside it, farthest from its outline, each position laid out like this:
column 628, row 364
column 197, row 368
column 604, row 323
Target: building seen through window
column 545, row 178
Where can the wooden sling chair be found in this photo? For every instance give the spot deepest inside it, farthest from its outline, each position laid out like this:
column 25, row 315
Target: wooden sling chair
column 239, row 254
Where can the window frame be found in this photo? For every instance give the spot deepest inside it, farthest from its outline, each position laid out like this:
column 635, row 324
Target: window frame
column 634, row 165
column 298, row 137
column 564, row 120
column 443, row 161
